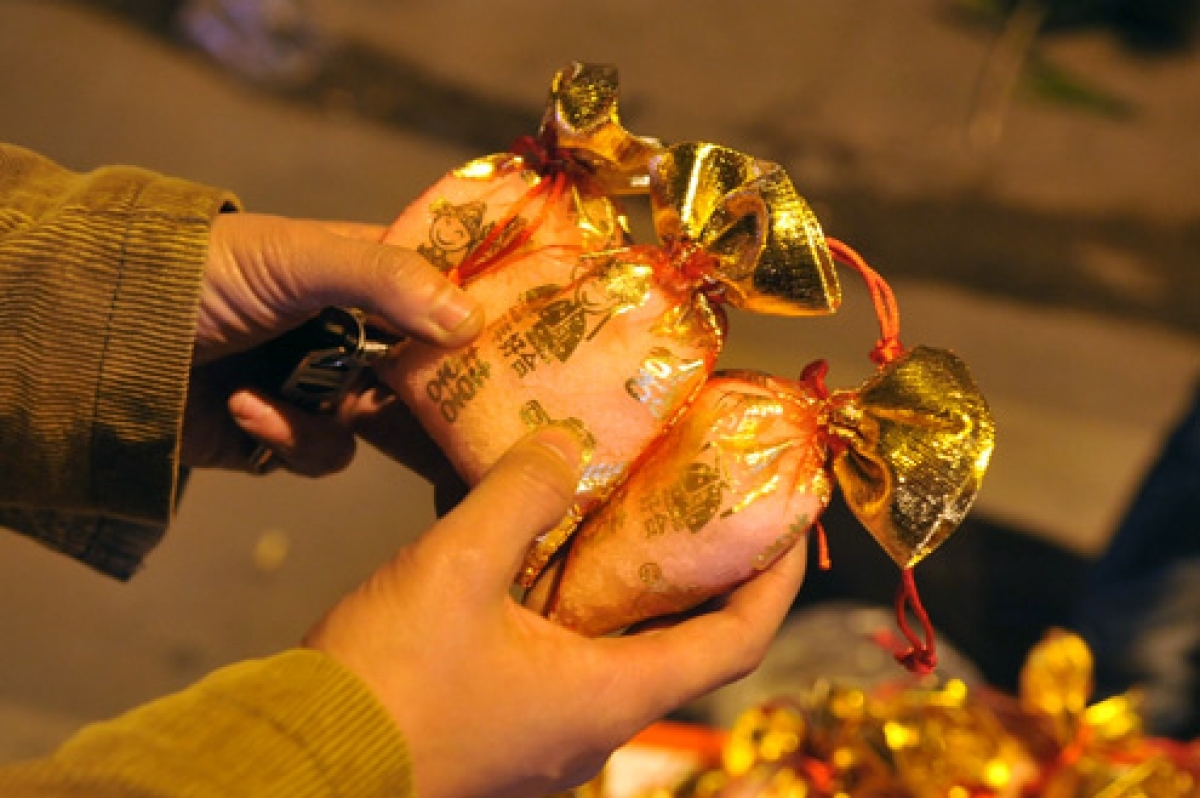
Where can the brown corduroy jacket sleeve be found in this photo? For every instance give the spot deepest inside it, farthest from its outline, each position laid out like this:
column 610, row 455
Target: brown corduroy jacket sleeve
column 99, row 284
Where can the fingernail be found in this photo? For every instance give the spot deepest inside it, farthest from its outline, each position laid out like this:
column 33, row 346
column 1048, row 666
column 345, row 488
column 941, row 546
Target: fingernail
column 245, row 407
column 456, row 312
column 564, row 441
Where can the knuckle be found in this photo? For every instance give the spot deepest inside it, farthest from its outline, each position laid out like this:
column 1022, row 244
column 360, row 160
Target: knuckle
column 398, row 269
column 746, row 659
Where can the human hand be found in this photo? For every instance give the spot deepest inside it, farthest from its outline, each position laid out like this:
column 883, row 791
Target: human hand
column 495, row 700
column 266, row 275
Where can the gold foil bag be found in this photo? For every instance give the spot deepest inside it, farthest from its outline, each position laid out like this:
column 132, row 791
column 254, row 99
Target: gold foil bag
column 730, row 487
column 750, row 466
column 900, row 739
column 747, row 471
column 554, row 189
column 620, row 346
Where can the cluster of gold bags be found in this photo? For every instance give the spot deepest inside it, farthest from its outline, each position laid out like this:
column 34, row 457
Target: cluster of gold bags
column 693, row 481
column 949, row 741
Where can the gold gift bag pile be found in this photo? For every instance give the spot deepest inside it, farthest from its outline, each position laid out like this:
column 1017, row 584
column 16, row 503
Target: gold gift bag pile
column 840, row 740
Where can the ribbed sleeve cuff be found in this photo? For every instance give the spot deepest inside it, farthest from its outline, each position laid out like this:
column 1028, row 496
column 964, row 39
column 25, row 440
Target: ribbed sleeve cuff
column 296, row 725
column 143, row 379
column 100, row 280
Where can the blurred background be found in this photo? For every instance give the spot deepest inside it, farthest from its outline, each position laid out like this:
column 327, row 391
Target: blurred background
column 1024, row 173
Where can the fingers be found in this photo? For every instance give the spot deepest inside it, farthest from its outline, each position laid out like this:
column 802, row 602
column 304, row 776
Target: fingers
column 379, row 417
column 360, row 230
column 680, row 663
column 525, row 494
column 396, row 285
column 308, row 444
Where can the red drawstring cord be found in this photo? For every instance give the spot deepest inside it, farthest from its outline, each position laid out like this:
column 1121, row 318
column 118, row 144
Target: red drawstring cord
column 888, row 348
column 483, row 256
column 920, row 656
column 814, row 377
column 541, row 156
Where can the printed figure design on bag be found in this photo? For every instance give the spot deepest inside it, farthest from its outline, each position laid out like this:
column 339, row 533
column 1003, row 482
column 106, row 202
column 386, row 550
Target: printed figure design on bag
column 689, row 503
column 696, row 496
column 456, row 382
column 535, row 417
column 651, row 574
column 595, row 472
column 548, row 327
column 457, row 229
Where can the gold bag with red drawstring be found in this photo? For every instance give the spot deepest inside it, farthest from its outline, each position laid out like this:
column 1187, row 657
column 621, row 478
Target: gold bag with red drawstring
column 618, row 345
column 557, row 189
column 749, row 468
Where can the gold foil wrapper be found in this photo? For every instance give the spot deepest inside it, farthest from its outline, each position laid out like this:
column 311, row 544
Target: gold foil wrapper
column 917, row 440
column 911, row 447
column 948, row 740
column 582, row 137
column 767, row 251
column 729, row 488
column 581, row 119
column 580, row 143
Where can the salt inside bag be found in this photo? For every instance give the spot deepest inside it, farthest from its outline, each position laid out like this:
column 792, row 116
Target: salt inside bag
column 619, row 348
column 748, row 469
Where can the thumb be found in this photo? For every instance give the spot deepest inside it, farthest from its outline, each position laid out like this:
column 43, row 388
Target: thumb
column 526, row 493
column 284, row 270
column 396, row 286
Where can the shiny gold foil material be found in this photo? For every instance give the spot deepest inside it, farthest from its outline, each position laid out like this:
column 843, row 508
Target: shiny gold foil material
column 768, row 249
column 581, row 119
column 665, row 381
column 581, row 135
column 1056, row 681
column 917, row 440
column 555, row 326
column 949, row 740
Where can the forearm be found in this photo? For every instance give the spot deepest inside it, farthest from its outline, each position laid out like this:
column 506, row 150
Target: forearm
column 99, row 284
column 297, row 725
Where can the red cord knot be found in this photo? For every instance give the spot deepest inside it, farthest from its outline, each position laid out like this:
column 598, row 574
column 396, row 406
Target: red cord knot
column 921, row 661
column 920, row 657
column 813, row 376
column 886, row 350
column 692, row 261
column 887, row 314
column 542, row 155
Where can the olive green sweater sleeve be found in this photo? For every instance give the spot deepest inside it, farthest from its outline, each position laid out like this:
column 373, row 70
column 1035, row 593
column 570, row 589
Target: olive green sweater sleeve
column 296, row 725
column 99, row 289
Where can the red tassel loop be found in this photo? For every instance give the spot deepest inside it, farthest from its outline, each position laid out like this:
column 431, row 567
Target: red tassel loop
column 888, row 348
column 921, row 655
